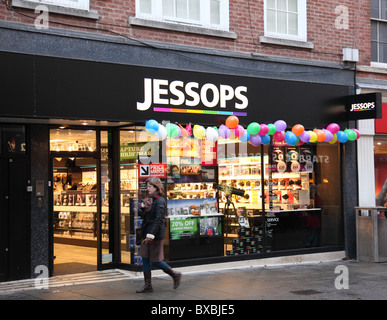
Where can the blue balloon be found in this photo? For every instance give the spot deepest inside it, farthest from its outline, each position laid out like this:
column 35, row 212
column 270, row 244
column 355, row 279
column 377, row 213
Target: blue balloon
column 245, row 137
column 265, row 139
column 290, row 138
column 342, row 136
column 152, row 126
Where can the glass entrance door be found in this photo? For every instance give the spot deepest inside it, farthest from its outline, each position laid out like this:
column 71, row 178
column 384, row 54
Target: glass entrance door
column 75, row 214
column 83, row 199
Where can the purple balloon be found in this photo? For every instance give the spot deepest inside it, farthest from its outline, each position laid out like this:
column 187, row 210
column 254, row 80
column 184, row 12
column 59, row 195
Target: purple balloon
column 224, row 131
column 328, row 135
column 255, row 139
column 305, row 136
column 280, row 125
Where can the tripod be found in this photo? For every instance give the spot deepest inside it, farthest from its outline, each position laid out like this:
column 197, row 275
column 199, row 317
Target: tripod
column 227, row 214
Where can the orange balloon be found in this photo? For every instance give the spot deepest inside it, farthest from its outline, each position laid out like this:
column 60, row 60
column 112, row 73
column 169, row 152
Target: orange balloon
column 298, row 129
column 232, row 122
column 320, row 135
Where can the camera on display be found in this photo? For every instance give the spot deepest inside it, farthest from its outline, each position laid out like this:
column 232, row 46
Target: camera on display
column 229, row 190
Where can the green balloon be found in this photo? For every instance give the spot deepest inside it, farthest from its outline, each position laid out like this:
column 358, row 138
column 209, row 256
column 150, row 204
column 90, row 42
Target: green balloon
column 172, row 130
column 253, row 128
column 272, row 129
column 352, row 136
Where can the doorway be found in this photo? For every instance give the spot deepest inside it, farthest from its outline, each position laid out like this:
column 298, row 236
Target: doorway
column 74, row 214
column 83, row 207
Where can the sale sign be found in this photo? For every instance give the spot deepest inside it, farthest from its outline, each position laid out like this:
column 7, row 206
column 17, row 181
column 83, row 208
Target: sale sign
column 158, row 170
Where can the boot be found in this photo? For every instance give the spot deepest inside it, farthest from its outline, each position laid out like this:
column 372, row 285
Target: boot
column 176, row 276
column 148, row 283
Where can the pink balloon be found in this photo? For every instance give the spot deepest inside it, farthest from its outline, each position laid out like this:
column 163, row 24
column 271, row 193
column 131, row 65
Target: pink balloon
column 357, row 133
column 264, row 130
column 239, row 131
column 333, row 127
column 279, row 136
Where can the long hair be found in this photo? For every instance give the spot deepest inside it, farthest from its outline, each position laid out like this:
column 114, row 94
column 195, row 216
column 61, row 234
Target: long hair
column 156, row 182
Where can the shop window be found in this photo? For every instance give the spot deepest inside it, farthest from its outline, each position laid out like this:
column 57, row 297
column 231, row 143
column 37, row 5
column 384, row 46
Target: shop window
column 75, row 4
column 202, row 13
column 285, row 197
column 70, row 140
column 380, row 155
column 285, row 19
column 12, row 140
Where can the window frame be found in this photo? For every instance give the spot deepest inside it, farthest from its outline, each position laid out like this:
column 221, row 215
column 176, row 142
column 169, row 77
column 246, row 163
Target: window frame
column 302, row 24
column 378, row 21
column 81, row 5
column 205, row 16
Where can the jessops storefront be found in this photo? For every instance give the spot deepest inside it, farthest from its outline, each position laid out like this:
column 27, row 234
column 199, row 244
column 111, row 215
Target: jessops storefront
column 253, row 167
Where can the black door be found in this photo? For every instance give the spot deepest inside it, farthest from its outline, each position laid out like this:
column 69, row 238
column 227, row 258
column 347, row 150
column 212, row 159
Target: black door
column 14, row 219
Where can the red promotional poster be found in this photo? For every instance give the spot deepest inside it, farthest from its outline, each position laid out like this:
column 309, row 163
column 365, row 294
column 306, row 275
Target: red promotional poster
column 208, row 153
column 158, row 170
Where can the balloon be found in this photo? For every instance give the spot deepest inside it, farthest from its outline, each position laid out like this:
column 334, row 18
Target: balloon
column 184, row 132
column 224, row 131
column 279, row 136
column 280, row 125
column 232, row 122
column 253, row 128
column 313, row 136
column 152, row 126
column 239, row 131
column 320, row 135
column 342, row 136
column 162, row 132
column 305, row 136
column 172, row 130
column 245, row 137
column 264, row 130
column 298, row 129
column 272, row 129
column 265, row 139
column 290, row 138
column 328, row 135
column 199, row 132
column 334, row 139
column 212, row 134
column 357, row 133
column 333, row 127
column 352, row 136
column 255, row 139
column 179, row 134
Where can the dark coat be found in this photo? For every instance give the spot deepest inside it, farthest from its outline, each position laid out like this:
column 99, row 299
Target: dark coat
column 154, row 220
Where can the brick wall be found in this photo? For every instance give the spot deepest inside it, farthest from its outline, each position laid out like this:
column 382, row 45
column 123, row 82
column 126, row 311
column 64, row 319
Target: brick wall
column 325, row 29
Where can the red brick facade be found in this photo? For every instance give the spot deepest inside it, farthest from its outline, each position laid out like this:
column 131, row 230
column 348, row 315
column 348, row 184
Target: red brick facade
column 326, row 28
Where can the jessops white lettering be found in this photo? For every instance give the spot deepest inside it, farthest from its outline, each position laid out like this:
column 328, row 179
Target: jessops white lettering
column 190, row 94
column 362, row 106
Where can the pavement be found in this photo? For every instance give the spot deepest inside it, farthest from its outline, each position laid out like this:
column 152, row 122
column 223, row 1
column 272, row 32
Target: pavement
column 291, row 279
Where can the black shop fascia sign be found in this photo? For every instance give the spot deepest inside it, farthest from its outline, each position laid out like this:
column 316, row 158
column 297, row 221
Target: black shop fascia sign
column 78, row 89
column 364, row 106
column 357, row 107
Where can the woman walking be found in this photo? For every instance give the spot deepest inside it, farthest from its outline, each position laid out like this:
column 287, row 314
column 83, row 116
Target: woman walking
column 151, row 248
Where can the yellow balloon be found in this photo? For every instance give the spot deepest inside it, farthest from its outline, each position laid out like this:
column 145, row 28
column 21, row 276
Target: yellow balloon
column 199, row 132
column 313, row 136
column 334, row 140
